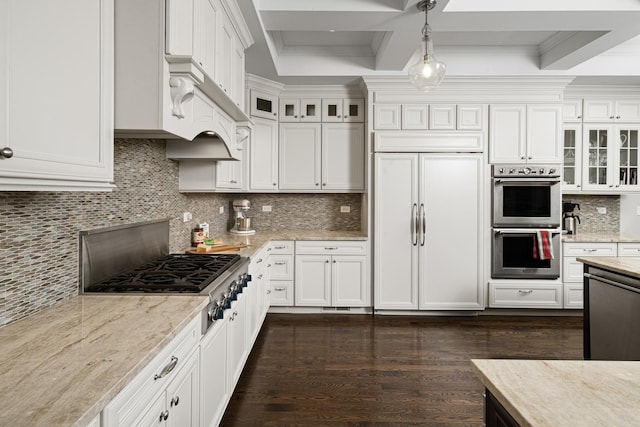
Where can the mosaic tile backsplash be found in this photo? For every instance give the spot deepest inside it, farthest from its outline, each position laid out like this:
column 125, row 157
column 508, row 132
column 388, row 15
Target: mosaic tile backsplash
column 590, row 220
column 39, row 231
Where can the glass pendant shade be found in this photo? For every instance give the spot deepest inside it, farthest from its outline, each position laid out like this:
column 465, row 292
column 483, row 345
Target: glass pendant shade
column 428, row 72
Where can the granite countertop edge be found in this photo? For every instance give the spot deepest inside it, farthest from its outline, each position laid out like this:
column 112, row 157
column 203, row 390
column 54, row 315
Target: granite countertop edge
column 599, row 238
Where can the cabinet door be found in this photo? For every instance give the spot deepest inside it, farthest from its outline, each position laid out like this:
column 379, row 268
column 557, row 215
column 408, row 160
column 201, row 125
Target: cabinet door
column 56, row 95
column 572, row 161
column 229, row 174
column 442, row 116
column 625, row 175
column 264, row 105
column 349, row 285
column 598, row 110
column 627, row 111
column 179, row 40
column 572, row 110
column 507, row 133
column 414, row 117
column 213, row 374
column 386, row 116
column 299, row 156
column 343, row 156
column 395, row 256
column 225, row 41
column 237, row 73
column 470, row 117
column 237, row 340
column 289, row 109
column 310, row 110
column 597, row 157
column 313, row 280
column 544, row 133
column 451, row 205
column 353, row 110
column 332, row 109
column 206, row 18
column 155, row 415
column 263, row 172
column 183, row 395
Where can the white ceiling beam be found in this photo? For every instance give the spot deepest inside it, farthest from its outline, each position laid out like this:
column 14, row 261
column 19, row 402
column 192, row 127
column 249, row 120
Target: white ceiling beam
column 396, row 50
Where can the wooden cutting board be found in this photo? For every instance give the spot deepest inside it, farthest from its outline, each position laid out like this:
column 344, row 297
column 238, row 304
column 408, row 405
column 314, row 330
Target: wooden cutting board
column 218, row 248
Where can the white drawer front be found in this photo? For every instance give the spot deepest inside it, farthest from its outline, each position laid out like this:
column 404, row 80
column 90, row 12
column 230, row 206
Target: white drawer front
column 590, row 249
column 573, row 295
column 331, row 247
column 628, row 249
column 281, row 293
column 525, row 296
column 281, row 247
column 281, row 267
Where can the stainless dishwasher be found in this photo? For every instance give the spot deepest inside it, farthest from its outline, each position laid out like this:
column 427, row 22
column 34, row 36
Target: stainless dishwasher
column 612, row 316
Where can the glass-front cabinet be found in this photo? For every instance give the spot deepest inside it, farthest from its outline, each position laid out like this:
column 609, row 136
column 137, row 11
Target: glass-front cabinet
column 572, row 173
column 610, row 160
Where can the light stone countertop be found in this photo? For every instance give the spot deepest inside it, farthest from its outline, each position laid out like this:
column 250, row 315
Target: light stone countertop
column 61, row 366
column 564, row 393
column 629, row 266
column 598, row 238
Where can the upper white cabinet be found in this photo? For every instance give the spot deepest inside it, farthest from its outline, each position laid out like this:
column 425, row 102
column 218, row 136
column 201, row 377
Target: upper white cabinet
column 264, row 104
column 56, row 95
column 300, row 110
column 612, row 110
column 300, row 147
column 572, row 167
column 520, row 133
column 263, row 156
column 572, row 110
column 342, row 110
column 179, row 68
column 428, row 117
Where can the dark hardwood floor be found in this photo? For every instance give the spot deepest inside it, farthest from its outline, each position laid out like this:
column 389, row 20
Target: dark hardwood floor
column 364, row 370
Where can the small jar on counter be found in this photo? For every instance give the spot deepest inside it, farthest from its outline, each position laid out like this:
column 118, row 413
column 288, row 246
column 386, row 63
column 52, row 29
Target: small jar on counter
column 197, row 236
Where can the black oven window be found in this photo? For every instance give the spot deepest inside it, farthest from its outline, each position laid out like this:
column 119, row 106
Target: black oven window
column 526, row 201
column 517, row 252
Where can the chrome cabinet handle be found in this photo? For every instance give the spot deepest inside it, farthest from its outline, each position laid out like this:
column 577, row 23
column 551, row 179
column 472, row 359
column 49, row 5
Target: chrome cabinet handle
column 280, row 247
column 6, row 153
column 167, row 369
column 424, row 224
column 175, row 401
column 281, row 263
column 526, row 292
column 331, row 248
column 164, row 415
column 279, row 289
column 414, row 229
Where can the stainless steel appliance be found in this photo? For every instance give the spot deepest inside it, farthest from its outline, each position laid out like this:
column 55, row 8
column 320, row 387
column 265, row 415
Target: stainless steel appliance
column 526, row 196
column 243, row 224
column 570, row 220
column 135, row 259
column 513, row 255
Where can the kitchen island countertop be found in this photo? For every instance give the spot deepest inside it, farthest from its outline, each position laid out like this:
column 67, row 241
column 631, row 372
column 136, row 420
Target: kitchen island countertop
column 61, row 366
column 564, row 392
column 629, row 266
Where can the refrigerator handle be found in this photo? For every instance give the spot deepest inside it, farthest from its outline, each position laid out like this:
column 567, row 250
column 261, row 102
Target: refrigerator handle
column 424, row 223
column 414, row 228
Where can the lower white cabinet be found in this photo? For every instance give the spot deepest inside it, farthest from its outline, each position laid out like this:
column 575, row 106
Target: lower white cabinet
column 281, row 268
column 572, row 269
column 214, row 388
column 331, row 273
column 532, row 294
column 237, row 340
column 166, row 391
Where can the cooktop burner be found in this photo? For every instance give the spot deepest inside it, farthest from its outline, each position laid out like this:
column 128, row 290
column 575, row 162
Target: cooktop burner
column 176, row 273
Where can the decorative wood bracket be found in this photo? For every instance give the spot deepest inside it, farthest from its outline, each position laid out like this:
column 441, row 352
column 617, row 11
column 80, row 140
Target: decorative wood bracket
column 182, row 90
column 242, row 134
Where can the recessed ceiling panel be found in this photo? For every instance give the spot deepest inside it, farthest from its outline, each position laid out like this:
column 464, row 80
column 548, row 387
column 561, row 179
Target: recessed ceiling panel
column 326, row 38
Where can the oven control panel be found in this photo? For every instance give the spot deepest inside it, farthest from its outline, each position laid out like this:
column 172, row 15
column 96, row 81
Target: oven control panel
column 504, row 171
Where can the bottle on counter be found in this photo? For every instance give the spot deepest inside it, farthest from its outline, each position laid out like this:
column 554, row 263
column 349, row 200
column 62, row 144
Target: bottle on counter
column 197, row 236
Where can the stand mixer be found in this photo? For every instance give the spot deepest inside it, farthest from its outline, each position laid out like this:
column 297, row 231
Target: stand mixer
column 242, row 223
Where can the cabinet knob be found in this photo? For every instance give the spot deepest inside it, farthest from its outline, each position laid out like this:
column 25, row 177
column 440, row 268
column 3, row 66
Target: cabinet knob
column 275, row 114
column 611, row 117
column 274, row 183
column 175, row 401
column 617, row 117
column 295, row 116
column 6, row 152
column 522, row 158
column 317, row 184
column 529, row 157
column 579, row 117
column 302, row 117
column 164, row 415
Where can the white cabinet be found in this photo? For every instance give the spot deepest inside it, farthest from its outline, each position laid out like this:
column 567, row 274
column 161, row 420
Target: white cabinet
column 529, row 294
column 572, row 110
column 572, row 158
column 300, row 109
column 328, row 156
column 237, row 350
column 572, row 269
column 414, row 117
column 166, row 390
column 215, row 392
column 612, row 110
column 433, row 117
column 56, row 95
column 342, row 110
column 610, row 158
column 281, row 274
column 628, row 249
column 263, row 104
column 331, row 273
column 388, row 116
column 442, row 116
column 225, row 53
column 428, row 222
column 263, row 152
column 521, row 133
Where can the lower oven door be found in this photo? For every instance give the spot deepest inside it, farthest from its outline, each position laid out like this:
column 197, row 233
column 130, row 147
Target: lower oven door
column 514, row 255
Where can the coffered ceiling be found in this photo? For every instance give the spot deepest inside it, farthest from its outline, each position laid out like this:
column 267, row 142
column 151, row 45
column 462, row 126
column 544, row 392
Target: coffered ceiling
column 336, row 41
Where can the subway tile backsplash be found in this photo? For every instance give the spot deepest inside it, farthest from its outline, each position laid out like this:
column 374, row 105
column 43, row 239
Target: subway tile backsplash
column 39, row 231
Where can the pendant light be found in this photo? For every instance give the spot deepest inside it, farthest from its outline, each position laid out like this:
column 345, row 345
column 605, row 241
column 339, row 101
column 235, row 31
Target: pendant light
column 427, row 73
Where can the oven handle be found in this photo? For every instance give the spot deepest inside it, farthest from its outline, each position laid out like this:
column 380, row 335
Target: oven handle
column 552, row 181
column 523, row 231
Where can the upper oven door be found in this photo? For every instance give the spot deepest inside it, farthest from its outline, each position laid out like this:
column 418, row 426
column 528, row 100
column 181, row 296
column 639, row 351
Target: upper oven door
column 526, row 202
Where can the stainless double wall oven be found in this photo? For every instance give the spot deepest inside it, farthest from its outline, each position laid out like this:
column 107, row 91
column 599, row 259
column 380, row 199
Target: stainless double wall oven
column 526, row 201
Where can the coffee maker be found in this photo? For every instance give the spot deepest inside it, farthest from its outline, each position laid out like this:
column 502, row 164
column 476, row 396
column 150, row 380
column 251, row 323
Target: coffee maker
column 570, row 220
column 242, row 223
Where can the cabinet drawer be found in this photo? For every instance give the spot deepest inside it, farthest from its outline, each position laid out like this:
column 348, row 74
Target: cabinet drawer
column 590, row 249
column 331, row 247
column 525, row 296
column 281, row 267
column 282, row 293
column 137, row 395
column 573, row 295
column 572, row 269
column 281, row 247
column 628, row 249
